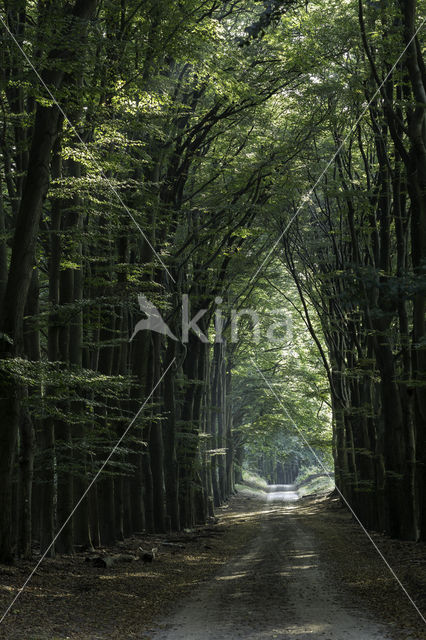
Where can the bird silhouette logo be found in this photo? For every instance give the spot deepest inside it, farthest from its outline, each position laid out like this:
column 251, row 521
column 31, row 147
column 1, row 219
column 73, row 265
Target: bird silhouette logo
column 153, row 321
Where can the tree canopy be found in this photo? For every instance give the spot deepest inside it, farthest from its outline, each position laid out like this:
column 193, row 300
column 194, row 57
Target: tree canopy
column 257, row 165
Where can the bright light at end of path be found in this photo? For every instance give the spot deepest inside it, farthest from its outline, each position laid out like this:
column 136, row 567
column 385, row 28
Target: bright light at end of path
column 307, row 629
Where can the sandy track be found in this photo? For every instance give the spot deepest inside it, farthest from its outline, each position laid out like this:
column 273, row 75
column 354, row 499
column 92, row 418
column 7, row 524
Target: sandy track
column 276, row 588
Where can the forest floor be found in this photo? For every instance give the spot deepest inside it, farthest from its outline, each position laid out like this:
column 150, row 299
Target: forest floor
column 270, row 568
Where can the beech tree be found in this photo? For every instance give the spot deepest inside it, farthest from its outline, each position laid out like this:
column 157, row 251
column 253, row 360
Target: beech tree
column 156, row 153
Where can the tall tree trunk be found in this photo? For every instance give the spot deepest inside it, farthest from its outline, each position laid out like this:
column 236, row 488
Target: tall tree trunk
column 27, row 433
column 46, row 126
column 171, row 469
column 156, row 448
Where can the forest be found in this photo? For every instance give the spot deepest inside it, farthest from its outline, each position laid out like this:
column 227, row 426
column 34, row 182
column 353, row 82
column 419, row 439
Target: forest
column 212, row 261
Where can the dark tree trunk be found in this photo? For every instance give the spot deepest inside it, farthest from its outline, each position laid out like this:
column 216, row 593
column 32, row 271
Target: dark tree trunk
column 46, row 126
column 156, row 447
column 171, row 469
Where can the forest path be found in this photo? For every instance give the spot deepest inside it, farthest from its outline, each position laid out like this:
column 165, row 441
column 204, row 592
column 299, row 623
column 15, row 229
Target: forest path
column 276, row 588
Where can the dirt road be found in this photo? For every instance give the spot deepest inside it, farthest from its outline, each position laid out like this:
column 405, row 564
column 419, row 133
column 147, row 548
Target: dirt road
column 278, row 587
